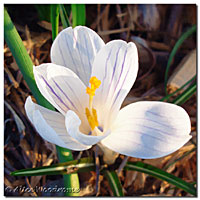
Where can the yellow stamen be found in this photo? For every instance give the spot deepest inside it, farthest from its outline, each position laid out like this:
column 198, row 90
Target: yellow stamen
column 90, row 102
column 94, row 112
column 91, row 113
column 90, row 119
column 95, row 82
column 90, row 91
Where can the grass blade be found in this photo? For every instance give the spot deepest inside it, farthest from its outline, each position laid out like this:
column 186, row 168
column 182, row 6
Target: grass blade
column 54, row 20
column 78, row 14
column 160, row 174
column 63, row 16
column 82, row 165
column 114, row 183
column 185, row 95
column 174, row 50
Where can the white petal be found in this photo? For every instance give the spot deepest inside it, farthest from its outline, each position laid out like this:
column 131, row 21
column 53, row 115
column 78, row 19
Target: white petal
column 62, row 88
column 51, row 126
column 76, row 49
column 116, row 66
column 73, row 122
column 149, row 130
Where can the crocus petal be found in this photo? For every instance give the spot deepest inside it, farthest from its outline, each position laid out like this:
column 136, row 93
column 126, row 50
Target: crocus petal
column 51, row 126
column 76, row 49
column 149, row 130
column 116, row 66
column 72, row 123
column 62, row 88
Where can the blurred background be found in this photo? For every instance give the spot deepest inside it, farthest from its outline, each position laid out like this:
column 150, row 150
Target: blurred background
column 155, row 29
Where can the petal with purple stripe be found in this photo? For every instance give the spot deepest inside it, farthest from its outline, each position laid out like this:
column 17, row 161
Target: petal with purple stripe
column 51, row 126
column 116, row 65
column 76, row 49
column 149, row 130
column 63, row 89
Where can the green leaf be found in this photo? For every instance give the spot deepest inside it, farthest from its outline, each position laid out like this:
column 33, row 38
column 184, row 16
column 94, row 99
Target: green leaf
column 174, row 50
column 181, row 99
column 114, row 182
column 54, row 20
column 160, row 174
column 63, row 16
column 75, row 166
column 78, row 14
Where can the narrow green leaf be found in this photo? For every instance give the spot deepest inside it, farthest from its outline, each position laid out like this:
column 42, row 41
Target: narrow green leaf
column 160, row 174
column 63, row 16
column 114, row 182
column 82, row 165
column 78, row 14
column 54, row 20
column 181, row 99
column 174, row 50
column 178, row 90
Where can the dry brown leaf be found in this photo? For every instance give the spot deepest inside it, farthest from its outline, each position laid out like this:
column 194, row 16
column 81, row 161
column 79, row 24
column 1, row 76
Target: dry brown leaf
column 87, row 191
column 18, row 182
column 14, row 65
column 8, row 183
column 47, row 25
column 11, row 78
column 27, row 148
column 18, row 121
column 130, row 178
column 105, row 23
column 156, row 195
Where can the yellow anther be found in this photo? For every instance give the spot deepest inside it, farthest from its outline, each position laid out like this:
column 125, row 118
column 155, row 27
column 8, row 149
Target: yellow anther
column 95, row 83
column 91, row 113
column 92, row 122
column 90, row 91
column 94, row 112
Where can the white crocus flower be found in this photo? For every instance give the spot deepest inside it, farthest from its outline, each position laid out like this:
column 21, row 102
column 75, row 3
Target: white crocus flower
column 87, row 82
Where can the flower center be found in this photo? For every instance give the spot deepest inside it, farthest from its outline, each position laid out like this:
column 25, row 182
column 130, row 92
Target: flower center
column 90, row 112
